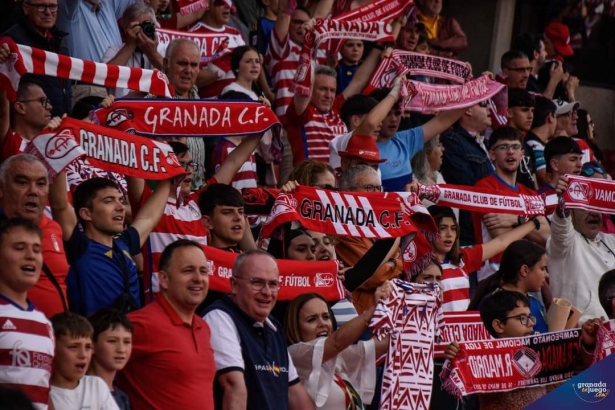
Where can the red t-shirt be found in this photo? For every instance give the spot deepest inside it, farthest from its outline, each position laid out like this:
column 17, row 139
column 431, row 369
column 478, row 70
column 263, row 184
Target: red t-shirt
column 14, row 144
column 44, row 294
column 310, row 133
column 481, row 233
column 172, row 363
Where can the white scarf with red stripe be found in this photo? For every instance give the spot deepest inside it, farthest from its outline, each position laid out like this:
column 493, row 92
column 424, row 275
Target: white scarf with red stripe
column 30, row 60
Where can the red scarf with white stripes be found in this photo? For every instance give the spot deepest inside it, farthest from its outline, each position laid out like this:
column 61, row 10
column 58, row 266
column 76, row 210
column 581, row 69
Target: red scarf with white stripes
column 296, row 277
column 333, row 29
column 590, row 194
column 105, row 148
column 197, row 118
column 366, row 214
column 29, row 60
column 378, row 10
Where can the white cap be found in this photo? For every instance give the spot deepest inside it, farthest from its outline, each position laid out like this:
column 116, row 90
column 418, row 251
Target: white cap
column 564, row 107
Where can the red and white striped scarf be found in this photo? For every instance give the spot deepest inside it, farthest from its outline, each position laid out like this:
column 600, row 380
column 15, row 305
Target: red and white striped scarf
column 366, row 214
column 30, row 60
column 378, row 10
column 590, row 194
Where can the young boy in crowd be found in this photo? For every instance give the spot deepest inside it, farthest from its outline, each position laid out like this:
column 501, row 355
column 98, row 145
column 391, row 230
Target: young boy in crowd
column 505, row 314
column 70, row 387
column 112, row 347
column 222, row 208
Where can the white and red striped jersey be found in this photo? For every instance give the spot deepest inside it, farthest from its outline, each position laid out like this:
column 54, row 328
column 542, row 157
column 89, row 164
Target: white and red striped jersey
column 282, row 61
column 455, row 279
column 413, row 318
column 26, row 351
column 311, row 133
column 177, row 222
column 222, row 66
column 246, row 177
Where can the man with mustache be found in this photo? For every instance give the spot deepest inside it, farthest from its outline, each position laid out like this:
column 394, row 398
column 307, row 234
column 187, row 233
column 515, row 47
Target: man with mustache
column 578, row 254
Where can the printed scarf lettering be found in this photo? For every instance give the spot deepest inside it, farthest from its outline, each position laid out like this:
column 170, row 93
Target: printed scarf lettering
column 190, row 6
column 105, row 148
column 296, row 277
column 190, row 118
column 333, row 29
column 29, row 60
column 501, row 365
column 367, row 215
column 605, row 340
column 590, row 194
column 212, row 45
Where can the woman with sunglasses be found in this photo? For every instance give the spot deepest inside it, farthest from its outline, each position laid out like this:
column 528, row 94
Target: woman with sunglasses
column 524, row 270
column 312, row 173
column 336, row 373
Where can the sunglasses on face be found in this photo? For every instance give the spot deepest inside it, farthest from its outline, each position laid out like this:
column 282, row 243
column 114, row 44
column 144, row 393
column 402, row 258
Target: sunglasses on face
column 590, row 169
column 483, row 104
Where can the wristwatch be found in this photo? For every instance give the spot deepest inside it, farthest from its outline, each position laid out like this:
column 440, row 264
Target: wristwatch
column 520, row 221
column 536, row 222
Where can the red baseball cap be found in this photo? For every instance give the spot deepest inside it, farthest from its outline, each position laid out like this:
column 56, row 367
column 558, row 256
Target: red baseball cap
column 559, row 34
column 364, row 147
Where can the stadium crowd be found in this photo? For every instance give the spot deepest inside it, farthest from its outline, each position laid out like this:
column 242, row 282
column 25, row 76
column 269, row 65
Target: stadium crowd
column 105, row 298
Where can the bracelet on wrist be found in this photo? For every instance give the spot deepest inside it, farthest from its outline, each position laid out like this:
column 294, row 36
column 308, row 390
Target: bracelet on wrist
column 536, row 222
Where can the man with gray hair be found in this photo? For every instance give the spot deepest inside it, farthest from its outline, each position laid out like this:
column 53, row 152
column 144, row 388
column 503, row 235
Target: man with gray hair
column 141, row 47
column 363, row 178
column 253, row 367
column 312, row 121
column 24, row 188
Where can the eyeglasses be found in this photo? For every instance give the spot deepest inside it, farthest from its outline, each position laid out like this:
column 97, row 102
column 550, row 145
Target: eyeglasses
column 521, row 69
column 523, row 318
column 568, row 114
column 368, row 188
column 325, row 186
column 42, row 7
column 483, row 104
column 192, row 165
column 259, row 284
column 43, row 100
column 506, row 147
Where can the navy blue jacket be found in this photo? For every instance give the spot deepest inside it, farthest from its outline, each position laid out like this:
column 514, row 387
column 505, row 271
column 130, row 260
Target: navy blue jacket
column 57, row 90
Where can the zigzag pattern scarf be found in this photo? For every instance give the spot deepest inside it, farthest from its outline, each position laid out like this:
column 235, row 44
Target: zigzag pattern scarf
column 105, row 148
column 212, row 45
column 194, row 118
column 30, row 60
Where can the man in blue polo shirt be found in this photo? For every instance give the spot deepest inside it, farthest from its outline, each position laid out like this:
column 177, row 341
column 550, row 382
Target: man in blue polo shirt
column 399, row 147
column 253, row 368
column 99, row 249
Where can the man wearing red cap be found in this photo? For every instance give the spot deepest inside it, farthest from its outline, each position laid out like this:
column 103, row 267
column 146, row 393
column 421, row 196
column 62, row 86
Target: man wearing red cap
column 557, row 41
column 361, row 150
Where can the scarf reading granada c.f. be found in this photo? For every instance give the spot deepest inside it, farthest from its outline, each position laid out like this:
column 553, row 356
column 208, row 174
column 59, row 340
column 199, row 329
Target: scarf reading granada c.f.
column 367, row 215
column 198, row 118
column 105, row 148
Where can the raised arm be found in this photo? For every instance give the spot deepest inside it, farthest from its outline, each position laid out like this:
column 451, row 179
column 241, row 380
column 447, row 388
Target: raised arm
column 298, row 398
column 5, row 105
column 364, row 73
column 150, row 213
column 499, row 244
column 63, row 213
column 135, row 189
column 237, row 158
column 189, row 19
column 283, row 22
column 350, row 332
column 441, row 123
column 323, row 9
column 375, row 117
